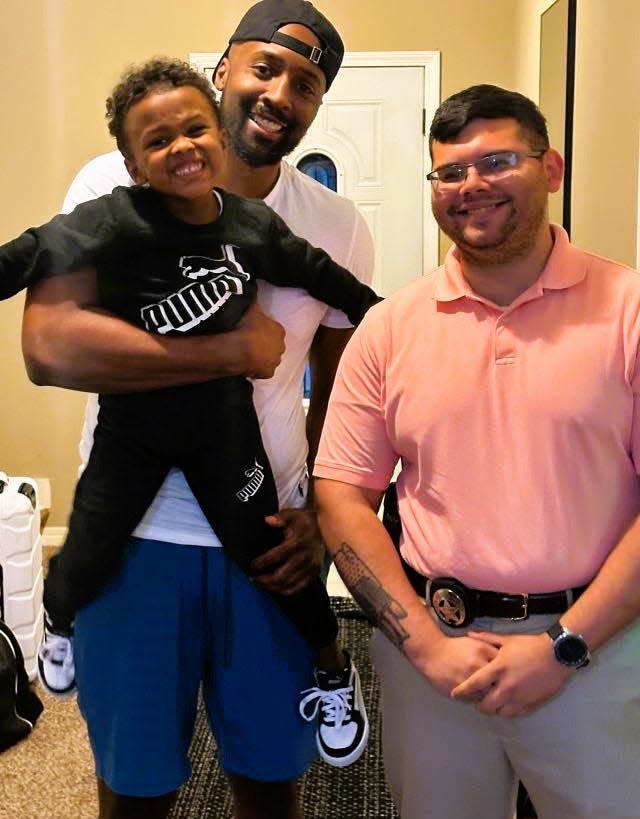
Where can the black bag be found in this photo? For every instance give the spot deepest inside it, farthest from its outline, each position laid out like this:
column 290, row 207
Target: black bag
column 20, row 706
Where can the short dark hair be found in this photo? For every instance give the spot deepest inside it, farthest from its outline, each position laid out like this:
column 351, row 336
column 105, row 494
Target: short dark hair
column 488, row 102
column 138, row 81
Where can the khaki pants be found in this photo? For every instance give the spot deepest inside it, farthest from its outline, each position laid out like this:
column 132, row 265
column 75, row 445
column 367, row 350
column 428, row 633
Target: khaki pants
column 578, row 755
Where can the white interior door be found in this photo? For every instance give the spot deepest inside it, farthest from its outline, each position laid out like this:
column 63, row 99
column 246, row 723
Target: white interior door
column 371, row 126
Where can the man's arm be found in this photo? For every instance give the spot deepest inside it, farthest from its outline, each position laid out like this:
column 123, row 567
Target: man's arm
column 300, row 556
column 68, row 341
column 324, row 356
column 369, row 565
column 618, row 581
column 290, row 565
column 525, row 673
column 356, row 450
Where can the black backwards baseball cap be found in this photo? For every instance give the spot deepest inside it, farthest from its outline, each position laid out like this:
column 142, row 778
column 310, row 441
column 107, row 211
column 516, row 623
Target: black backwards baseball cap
column 263, row 20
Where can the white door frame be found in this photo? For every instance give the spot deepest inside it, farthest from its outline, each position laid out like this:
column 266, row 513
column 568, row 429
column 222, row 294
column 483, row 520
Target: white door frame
column 206, row 61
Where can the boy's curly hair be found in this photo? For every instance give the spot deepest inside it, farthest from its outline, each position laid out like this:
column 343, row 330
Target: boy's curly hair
column 138, row 81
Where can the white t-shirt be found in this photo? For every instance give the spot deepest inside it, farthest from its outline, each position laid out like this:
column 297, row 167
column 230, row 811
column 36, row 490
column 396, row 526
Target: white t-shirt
column 325, row 220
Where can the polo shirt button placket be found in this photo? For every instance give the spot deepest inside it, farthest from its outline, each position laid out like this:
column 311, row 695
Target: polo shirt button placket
column 504, row 345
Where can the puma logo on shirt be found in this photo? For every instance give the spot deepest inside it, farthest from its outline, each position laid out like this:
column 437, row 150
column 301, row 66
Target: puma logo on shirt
column 183, row 310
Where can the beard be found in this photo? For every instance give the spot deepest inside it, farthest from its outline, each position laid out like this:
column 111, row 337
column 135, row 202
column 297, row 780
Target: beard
column 514, row 239
column 259, row 151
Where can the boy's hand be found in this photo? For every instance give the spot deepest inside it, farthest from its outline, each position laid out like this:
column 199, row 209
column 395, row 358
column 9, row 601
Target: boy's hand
column 289, row 566
column 262, row 343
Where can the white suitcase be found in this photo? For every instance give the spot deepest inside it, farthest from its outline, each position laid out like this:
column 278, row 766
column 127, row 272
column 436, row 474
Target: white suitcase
column 21, row 575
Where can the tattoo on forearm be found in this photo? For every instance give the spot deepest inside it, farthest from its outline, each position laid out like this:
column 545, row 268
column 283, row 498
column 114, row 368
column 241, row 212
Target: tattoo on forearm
column 377, row 604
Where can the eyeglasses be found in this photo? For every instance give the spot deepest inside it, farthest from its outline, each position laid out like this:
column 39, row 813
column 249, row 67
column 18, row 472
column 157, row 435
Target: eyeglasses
column 491, row 166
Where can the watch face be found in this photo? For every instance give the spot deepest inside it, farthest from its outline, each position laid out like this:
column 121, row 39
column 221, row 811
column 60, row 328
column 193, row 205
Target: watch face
column 571, row 649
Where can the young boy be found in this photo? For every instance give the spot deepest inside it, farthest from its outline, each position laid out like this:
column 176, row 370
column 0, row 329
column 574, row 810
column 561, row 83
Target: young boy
column 180, row 256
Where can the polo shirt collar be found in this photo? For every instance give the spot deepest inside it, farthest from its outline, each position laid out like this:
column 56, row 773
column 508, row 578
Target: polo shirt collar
column 565, row 267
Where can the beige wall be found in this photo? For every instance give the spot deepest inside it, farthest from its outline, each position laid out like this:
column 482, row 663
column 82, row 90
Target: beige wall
column 59, row 59
column 605, row 179
column 604, row 198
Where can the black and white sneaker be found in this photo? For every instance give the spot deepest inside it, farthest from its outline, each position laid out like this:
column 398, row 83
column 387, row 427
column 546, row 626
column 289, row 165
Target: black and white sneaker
column 337, row 703
column 56, row 669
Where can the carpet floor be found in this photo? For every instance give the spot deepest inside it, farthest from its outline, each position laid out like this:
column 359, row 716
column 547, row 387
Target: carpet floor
column 356, row 792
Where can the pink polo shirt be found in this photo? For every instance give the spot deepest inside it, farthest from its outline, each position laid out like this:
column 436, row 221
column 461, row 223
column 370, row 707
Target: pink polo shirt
column 518, row 428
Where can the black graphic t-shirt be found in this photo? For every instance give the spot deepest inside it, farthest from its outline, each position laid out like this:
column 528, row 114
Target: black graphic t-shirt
column 167, row 276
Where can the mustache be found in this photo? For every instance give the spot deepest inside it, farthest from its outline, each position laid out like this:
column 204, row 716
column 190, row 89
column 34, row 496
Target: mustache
column 480, row 202
column 265, row 107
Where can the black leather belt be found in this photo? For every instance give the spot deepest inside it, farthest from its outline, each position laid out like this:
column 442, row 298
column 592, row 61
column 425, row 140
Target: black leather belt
column 457, row 606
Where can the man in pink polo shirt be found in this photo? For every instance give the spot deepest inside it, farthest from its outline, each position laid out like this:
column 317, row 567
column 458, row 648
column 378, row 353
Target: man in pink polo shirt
column 505, row 382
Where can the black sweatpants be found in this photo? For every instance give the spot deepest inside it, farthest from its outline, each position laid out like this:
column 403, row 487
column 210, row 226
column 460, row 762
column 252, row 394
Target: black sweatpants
column 211, row 432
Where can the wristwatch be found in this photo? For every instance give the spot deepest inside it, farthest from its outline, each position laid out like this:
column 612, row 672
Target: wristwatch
column 570, row 649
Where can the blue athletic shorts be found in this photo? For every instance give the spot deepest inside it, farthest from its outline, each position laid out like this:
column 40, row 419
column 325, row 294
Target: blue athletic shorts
column 176, row 617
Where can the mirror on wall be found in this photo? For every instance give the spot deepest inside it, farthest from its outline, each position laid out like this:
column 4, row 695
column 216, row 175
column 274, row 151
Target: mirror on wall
column 557, row 76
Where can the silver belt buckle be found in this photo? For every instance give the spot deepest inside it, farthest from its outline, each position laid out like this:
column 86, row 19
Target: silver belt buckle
column 448, row 605
column 525, row 608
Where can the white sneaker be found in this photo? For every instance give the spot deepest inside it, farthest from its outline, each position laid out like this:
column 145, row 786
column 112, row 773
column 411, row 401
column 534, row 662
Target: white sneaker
column 56, row 669
column 343, row 726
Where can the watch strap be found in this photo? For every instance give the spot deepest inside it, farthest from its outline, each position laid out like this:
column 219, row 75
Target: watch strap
column 555, row 631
